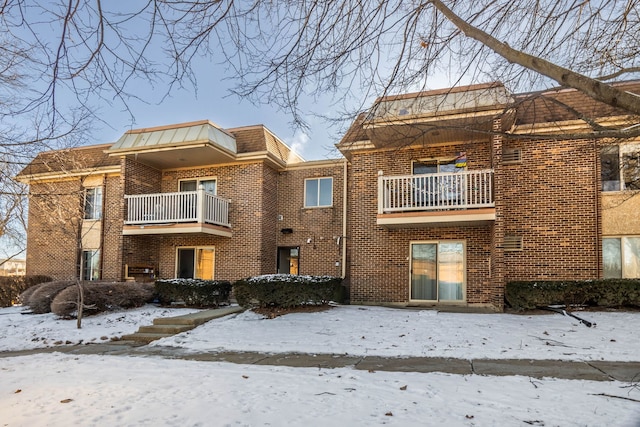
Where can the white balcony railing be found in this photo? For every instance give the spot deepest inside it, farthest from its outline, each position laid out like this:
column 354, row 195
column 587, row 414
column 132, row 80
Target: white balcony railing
column 168, row 208
column 435, row 191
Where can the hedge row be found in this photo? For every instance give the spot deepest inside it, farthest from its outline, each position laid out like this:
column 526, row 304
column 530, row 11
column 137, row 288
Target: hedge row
column 193, row 292
column 600, row 293
column 101, row 297
column 11, row 287
column 61, row 297
column 285, row 290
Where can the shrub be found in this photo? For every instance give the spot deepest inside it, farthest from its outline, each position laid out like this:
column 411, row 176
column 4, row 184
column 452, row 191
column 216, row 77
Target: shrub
column 41, row 298
column 101, row 296
column 286, row 291
column 193, row 292
column 600, row 293
column 11, row 288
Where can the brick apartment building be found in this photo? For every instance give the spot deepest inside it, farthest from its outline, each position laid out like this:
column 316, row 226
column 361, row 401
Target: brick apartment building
column 441, row 198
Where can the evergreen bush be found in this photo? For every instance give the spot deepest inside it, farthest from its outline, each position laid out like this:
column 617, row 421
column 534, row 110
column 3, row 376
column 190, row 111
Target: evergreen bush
column 40, row 299
column 193, row 292
column 102, row 296
column 287, row 291
column 12, row 287
column 526, row 295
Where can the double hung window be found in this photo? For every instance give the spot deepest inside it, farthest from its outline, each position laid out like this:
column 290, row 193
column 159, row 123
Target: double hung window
column 318, row 192
column 93, row 203
column 621, row 257
column 620, row 167
column 91, row 264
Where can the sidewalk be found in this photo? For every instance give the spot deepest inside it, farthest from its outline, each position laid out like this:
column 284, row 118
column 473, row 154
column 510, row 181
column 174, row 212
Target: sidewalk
column 592, row 370
column 573, row 370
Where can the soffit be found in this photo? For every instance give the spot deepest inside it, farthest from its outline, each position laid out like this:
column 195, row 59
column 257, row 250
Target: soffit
column 185, row 145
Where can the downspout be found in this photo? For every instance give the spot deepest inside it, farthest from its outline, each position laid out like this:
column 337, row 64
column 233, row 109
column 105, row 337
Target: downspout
column 103, row 224
column 344, row 222
column 597, row 208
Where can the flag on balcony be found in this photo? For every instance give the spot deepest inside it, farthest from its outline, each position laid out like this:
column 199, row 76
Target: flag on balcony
column 461, row 160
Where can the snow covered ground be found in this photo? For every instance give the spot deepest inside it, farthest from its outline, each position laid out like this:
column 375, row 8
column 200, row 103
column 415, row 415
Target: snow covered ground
column 61, row 389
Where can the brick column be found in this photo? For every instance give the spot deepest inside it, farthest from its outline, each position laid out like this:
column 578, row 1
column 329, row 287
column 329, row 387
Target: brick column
column 497, row 274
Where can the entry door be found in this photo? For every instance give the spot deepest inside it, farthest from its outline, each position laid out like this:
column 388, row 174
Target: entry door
column 288, row 260
column 437, row 271
column 196, row 263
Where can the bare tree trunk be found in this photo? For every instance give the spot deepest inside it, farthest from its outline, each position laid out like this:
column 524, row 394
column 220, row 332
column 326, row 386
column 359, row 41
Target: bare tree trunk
column 80, row 303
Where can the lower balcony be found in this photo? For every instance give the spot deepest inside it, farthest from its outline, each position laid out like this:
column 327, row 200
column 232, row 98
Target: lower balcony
column 176, row 213
column 448, row 198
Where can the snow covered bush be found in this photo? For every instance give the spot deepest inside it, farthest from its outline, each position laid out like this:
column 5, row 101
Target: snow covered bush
column 600, row 293
column 287, row 290
column 11, row 288
column 40, row 299
column 100, row 297
column 193, row 292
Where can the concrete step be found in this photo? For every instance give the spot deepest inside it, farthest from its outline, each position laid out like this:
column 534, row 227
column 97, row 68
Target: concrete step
column 168, row 326
column 145, row 337
column 198, row 318
column 165, row 329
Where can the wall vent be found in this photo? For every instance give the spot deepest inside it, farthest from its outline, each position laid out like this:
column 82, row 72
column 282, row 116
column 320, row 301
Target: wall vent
column 512, row 243
column 511, row 156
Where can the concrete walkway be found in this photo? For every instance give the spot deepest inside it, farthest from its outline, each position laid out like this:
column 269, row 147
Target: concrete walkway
column 573, row 370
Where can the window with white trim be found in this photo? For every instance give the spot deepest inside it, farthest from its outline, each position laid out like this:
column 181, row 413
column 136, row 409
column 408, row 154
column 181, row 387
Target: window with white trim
column 209, row 184
column 318, row 192
column 620, row 167
column 93, row 203
column 621, row 257
column 91, row 264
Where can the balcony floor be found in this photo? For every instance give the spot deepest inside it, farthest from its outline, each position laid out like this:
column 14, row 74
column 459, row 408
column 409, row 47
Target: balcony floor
column 186, row 228
column 463, row 217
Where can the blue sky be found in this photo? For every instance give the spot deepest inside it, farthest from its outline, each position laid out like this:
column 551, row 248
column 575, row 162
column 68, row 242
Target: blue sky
column 213, row 102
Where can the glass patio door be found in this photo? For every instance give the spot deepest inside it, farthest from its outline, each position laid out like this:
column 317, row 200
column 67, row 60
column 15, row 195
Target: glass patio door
column 195, row 263
column 437, row 271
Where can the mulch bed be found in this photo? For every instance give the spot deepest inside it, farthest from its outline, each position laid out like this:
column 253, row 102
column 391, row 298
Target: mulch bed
column 273, row 312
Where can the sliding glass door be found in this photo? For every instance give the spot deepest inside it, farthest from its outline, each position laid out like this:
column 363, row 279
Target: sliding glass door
column 196, row 263
column 437, row 271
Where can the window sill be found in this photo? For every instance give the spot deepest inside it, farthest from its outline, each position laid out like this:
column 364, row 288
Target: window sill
column 317, row 207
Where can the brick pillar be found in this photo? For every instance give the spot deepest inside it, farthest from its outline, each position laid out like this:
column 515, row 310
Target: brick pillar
column 497, row 248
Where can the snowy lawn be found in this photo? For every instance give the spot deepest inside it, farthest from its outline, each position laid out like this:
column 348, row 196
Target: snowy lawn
column 359, row 330
column 356, row 330
column 20, row 331
column 61, row 389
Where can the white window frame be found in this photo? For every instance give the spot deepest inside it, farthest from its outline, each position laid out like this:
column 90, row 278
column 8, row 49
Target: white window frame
column 464, row 272
column 317, row 201
column 623, row 149
column 195, row 259
column 93, row 269
column 198, row 181
column 92, row 204
column 623, row 273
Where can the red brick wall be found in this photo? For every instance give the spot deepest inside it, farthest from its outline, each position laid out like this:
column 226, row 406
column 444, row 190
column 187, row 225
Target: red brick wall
column 244, row 254
column 113, row 214
column 322, row 225
column 53, row 232
column 379, row 257
column 551, row 200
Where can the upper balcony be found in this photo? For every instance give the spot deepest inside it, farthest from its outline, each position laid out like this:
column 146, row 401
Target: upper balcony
column 448, row 198
column 175, row 213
